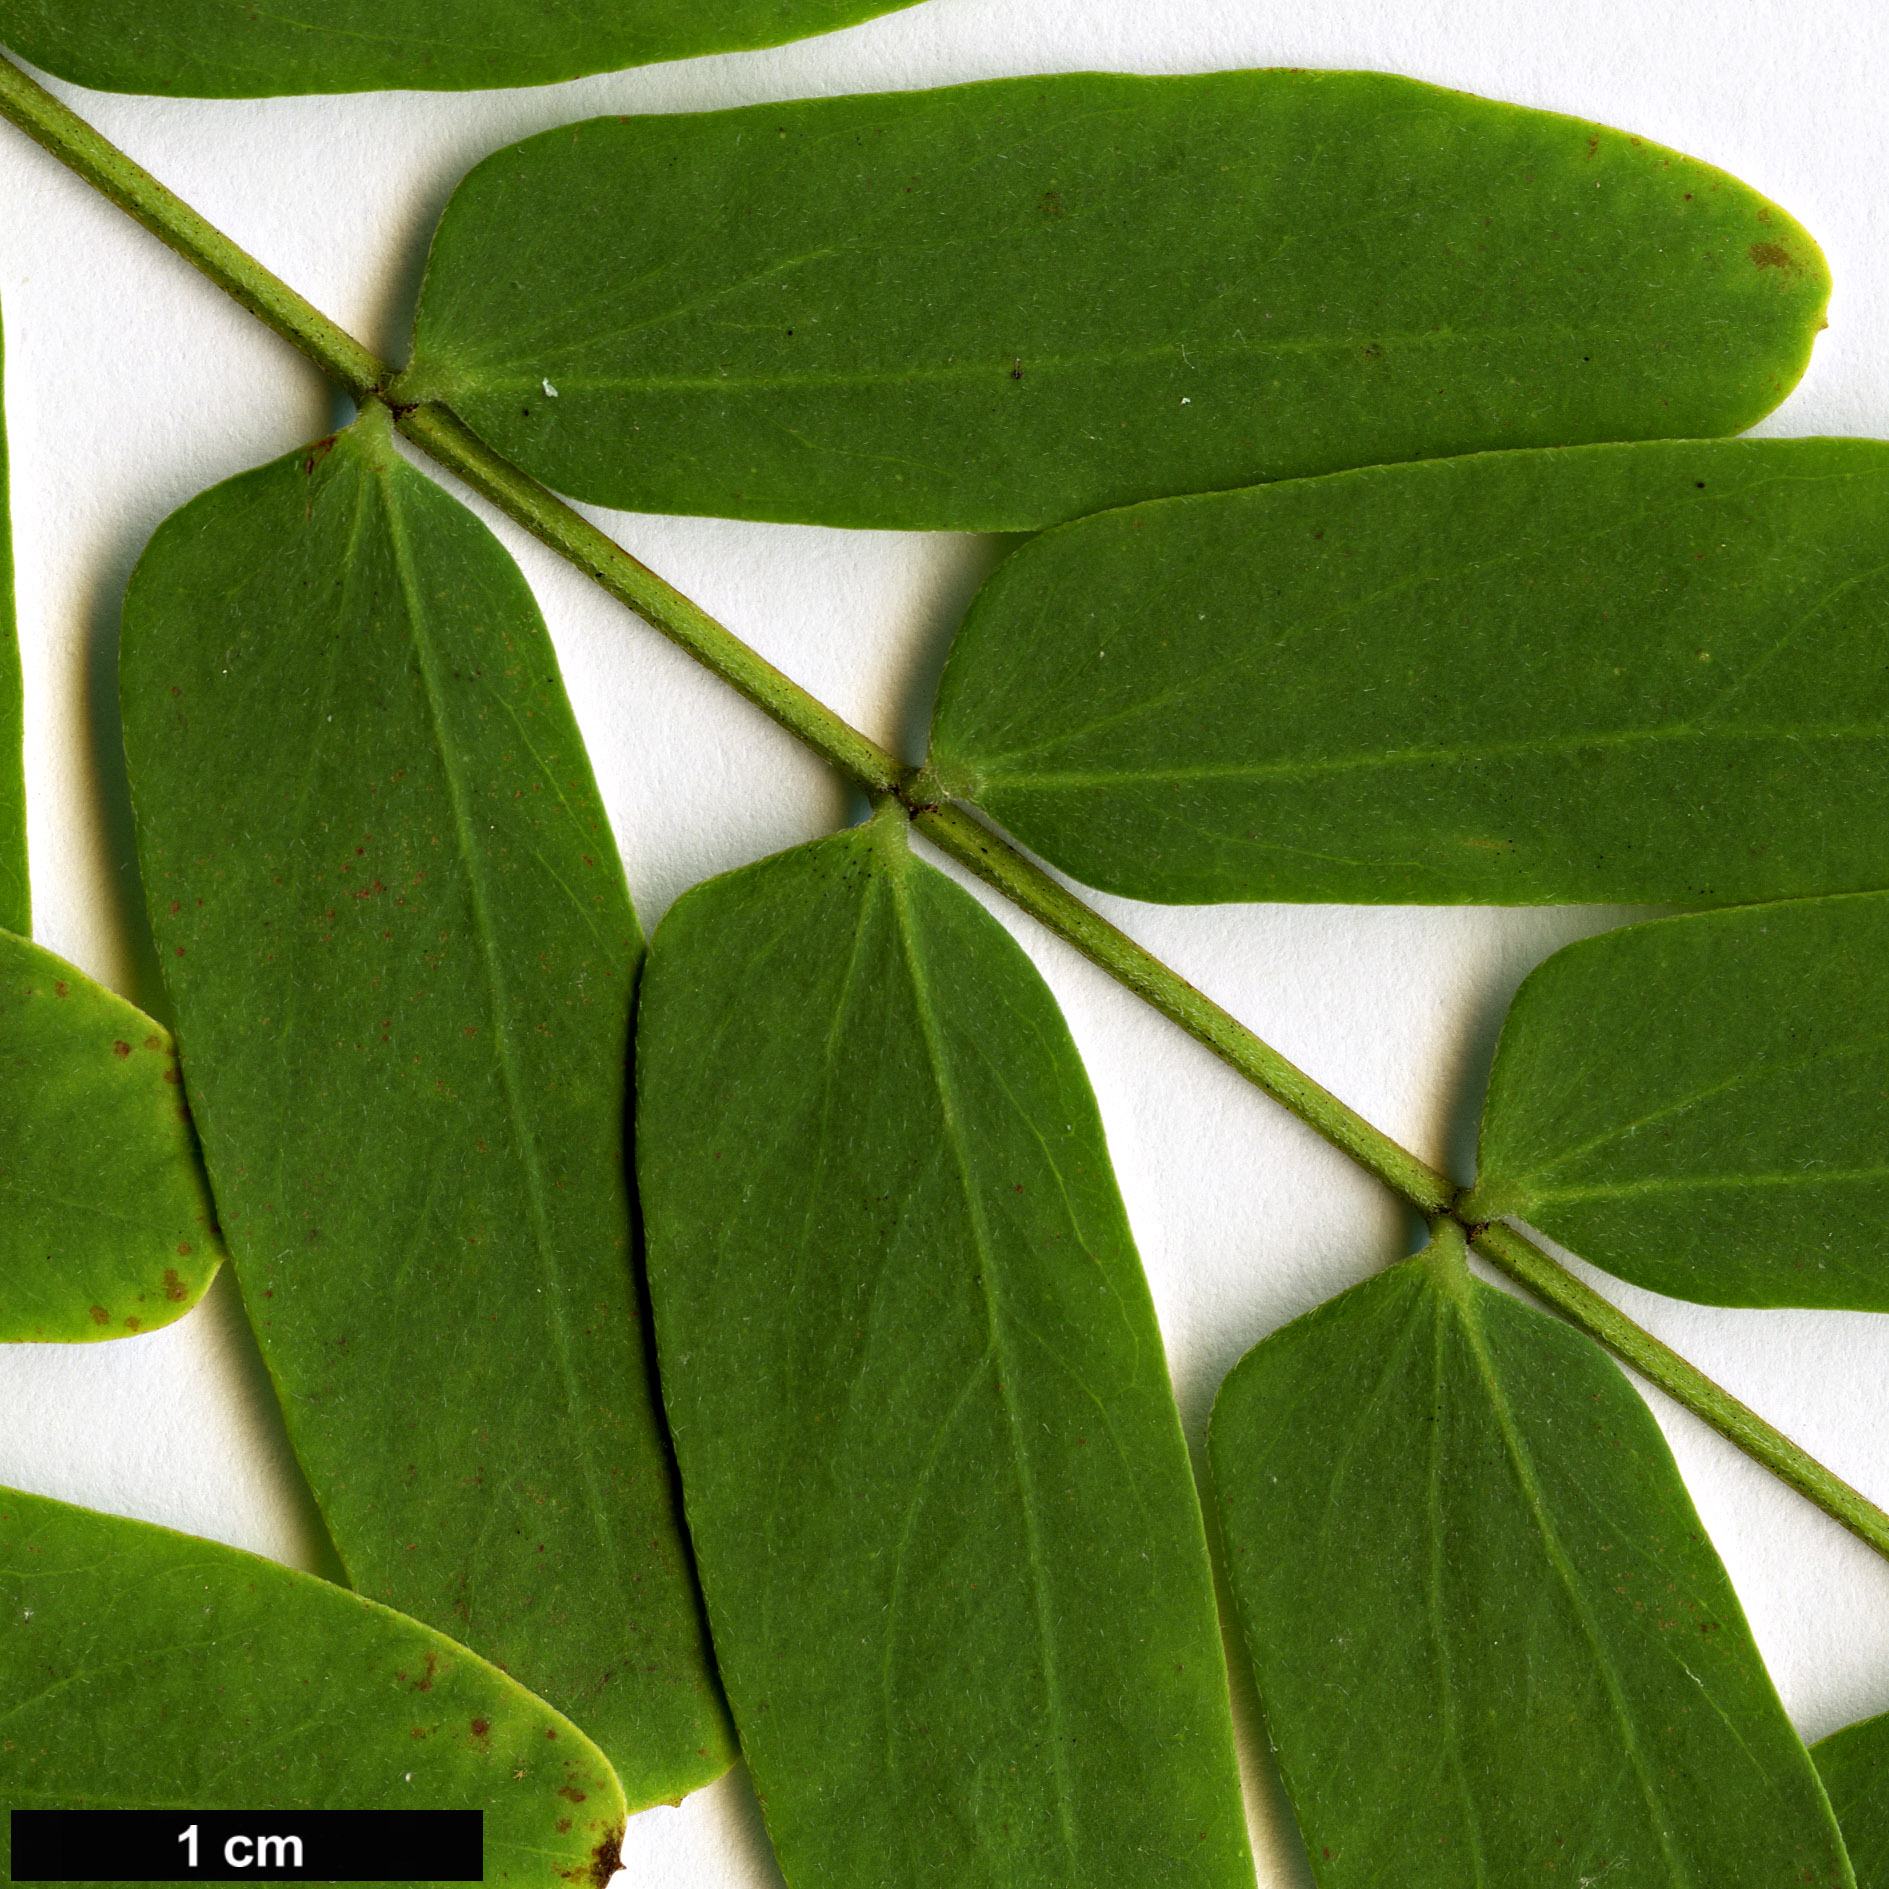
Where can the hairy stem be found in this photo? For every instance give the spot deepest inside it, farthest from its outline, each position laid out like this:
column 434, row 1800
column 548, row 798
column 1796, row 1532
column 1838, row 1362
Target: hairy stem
column 998, row 863
column 171, row 220
column 449, row 440
column 1524, row 1262
column 454, row 445
column 443, row 435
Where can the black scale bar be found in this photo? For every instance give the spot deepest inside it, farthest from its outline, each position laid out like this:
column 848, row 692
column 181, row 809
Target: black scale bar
column 248, row 1845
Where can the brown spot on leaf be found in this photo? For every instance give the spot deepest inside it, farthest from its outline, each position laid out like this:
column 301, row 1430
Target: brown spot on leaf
column 480, row 1727
column 100, row 1316
column 174, row 1288
column 121, row 1049
column 607, row 1858
column 59, row 990
column 132, row 1324
column 571, row 1793
column 1770, row 255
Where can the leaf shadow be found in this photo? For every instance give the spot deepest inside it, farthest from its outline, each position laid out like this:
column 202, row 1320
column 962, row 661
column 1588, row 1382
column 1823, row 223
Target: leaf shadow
column 1271, row 1823
column 748, row 1829
column 139, row 975
column 405, row 269
column 1539, row 932
column 929, row 642
column 646, row 1332
column 718, row 1827
column 242, row 1369
column 1466, row 1082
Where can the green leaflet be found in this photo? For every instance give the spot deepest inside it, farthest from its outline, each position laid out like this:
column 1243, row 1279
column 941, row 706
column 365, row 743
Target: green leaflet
column 16, row 909
column 144, row 1669
column 1854, row 1766
column 1493, row 1643
column 934, row 1476
column 106, row 1222
column 1701, row 1104
column 999, row 306
column 1644, row 672
column 396, row 934
column 231, row 49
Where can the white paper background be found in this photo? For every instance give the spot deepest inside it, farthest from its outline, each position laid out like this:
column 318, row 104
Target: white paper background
column 131, row 384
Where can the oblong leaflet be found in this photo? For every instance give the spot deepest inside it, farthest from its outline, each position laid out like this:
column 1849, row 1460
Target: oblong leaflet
column 998, row 306
column 207, row 49
column 934, row 1475
column 1491, row 1638
column 401, row 953
column 1701, row 1104
column 1643, row 672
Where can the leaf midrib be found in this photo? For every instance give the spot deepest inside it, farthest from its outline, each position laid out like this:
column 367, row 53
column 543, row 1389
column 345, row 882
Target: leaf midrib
column 1702, row 1183
column 1760, row 1071
column 998, row 1349
column 1564, row 1571
column 984, row 366
column 499, row 1009
column 1078, row 780
column 1434, row 1607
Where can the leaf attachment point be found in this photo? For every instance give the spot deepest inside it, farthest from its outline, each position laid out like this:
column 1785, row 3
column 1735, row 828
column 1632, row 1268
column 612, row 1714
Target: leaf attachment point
column 934, row 1475
column 402, row 956
column 1701, row 1104
column 1646, row 672
column 999, row 306
column 1492, row 1641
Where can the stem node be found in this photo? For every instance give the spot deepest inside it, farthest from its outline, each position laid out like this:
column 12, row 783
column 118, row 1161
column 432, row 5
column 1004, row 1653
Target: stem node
column 921, row 797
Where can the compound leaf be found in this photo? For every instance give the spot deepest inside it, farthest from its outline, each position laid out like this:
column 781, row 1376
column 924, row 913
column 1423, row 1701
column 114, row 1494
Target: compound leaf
column 1701, row 1104
column 935, row 1480
column 1002, row 305
column 106, row 1222
column 1633, row 672
column 144, row 1669
column 1854, row 1766
column 16, row 911
column 401, row 952
column 1492, row 1641
column 217, row 49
